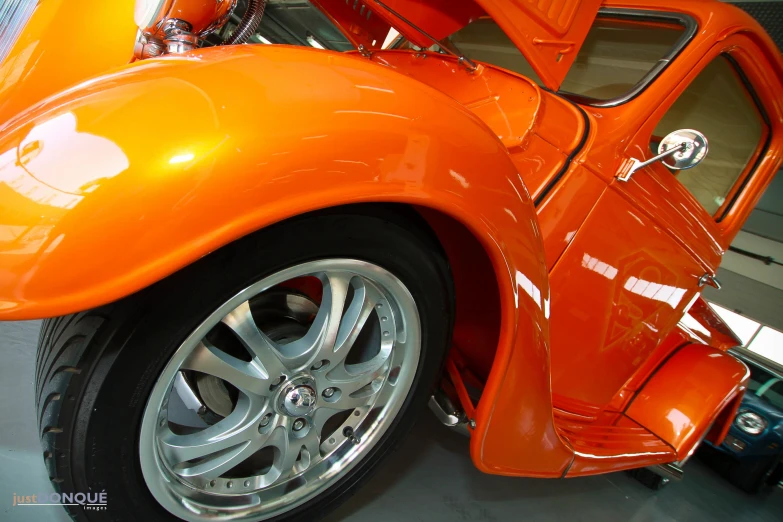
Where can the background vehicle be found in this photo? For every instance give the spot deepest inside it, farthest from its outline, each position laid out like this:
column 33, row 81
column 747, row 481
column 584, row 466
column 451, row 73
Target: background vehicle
column 256, row 260
column 755, row 441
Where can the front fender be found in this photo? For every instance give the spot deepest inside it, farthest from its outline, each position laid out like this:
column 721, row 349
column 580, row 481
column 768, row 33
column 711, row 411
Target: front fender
column 125, row 179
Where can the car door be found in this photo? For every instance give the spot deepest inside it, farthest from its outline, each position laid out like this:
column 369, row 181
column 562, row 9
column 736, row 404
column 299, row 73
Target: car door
column 651, row 243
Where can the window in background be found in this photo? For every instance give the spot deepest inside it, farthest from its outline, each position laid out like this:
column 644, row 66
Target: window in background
column 616, row 55
column 743, row 327
column 768, row 343
column 716, row 104
column 483, row 40
column 762, row 340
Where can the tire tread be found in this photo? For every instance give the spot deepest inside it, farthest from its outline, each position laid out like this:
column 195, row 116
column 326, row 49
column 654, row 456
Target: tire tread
column 61, row 357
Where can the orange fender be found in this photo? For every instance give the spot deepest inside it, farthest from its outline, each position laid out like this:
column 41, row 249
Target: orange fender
column 116, row 183
column 697, row 388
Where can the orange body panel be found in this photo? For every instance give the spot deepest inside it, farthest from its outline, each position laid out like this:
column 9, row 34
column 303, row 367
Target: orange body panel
column 682, row 399
column 58, row 48
column 360, row 133
column 95, row 203
column 612, row 442
column 713, row 332
column 614, row 294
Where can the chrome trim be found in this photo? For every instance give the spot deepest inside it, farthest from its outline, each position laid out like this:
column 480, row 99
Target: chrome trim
column 709, row 279
column 636, row 164
column 669, row 471
column 691, row 27
column 14, row 15
column 448, row 415
column 748, row 357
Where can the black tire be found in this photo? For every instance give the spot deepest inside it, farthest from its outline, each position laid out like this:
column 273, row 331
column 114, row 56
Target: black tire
column 751, row 476
column 95, row 369
column 649, row 479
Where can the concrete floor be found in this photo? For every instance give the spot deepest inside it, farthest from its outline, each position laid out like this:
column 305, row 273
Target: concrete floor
column 430, row 478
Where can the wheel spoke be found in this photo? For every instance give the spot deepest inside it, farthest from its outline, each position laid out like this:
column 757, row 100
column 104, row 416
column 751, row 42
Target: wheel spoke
column 365, row 298
column 288, row 462
column 356, row 391
column 319, row 341
column 219, row 447
column 246, row 376
column 260, row 346
column 319, row 418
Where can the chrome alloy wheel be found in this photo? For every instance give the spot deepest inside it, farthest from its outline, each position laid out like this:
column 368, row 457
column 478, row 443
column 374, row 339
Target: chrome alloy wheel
column 274, row 398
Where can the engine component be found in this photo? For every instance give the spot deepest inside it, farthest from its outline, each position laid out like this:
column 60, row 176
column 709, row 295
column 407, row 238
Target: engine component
column 249, row 23
column 176, row 26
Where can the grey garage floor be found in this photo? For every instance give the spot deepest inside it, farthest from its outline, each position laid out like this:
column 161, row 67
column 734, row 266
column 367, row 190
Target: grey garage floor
column 430, row 478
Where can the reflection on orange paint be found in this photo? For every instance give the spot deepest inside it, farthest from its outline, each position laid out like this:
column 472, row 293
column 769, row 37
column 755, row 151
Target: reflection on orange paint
column 571, row 285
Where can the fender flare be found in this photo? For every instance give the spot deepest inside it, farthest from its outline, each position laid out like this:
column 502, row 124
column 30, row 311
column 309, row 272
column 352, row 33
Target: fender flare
column 188, row 153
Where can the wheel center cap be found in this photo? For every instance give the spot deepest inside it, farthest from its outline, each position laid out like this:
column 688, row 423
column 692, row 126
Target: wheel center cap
column 299, row 400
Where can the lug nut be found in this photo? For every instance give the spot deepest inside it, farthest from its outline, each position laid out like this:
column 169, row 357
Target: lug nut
column 265, row 421
column 328, row 392
column 299, row 424
column 318, row 365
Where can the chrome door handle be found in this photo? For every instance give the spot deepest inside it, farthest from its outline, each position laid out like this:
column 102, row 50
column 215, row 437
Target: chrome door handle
column 709, row 279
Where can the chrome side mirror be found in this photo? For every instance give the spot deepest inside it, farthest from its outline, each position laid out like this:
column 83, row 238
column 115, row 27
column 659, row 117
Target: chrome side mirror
column 684, row 149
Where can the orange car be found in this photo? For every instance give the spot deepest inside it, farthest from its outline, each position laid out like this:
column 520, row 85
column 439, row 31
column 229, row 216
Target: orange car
column 258, row 263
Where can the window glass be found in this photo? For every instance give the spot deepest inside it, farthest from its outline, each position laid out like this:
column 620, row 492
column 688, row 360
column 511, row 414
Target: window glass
column 717, row 104
column 774, row 393
column 758, row 376
column 616, row 55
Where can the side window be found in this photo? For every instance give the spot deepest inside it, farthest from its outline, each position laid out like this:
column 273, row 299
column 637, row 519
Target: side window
column 717, row 104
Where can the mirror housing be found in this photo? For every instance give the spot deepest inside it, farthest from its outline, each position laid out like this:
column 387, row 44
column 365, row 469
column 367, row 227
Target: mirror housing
column 695, row 150
column 684, row 149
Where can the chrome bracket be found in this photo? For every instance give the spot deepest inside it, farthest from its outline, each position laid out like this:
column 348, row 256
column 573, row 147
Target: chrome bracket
column 364, row 51
column 636, row 164
column 448, row 415
column 467, row 64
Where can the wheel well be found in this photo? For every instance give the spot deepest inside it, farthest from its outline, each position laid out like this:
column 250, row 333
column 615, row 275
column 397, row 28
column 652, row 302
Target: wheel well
column 477, row 321
column 477, row 307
